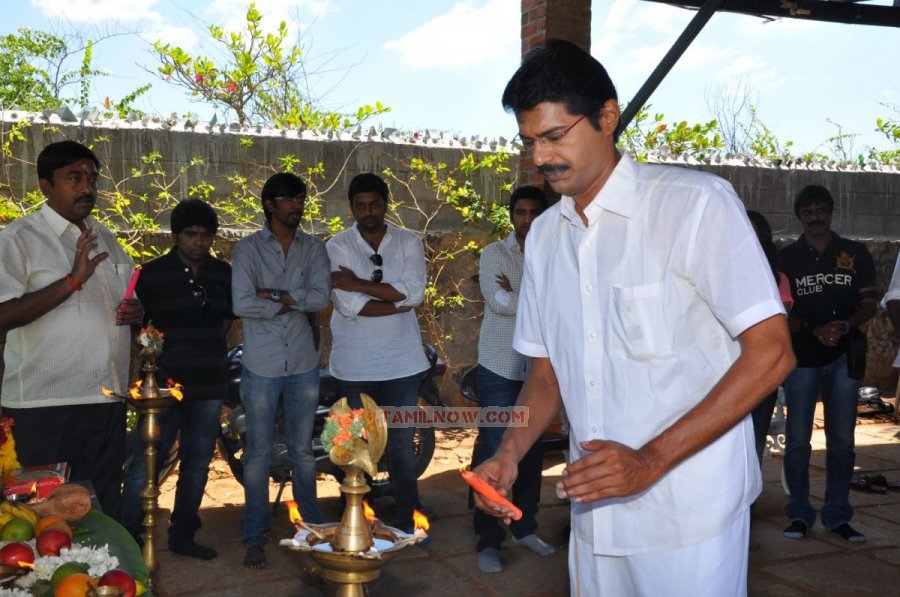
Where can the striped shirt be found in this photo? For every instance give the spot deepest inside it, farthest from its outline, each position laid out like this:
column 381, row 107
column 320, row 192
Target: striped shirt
column 495, row 349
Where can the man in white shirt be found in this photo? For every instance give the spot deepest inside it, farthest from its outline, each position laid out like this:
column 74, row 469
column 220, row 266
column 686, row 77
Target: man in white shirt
column 377, row 279
column 501, row 372
column 649, row 309
column 62, row 281
column 891, row 302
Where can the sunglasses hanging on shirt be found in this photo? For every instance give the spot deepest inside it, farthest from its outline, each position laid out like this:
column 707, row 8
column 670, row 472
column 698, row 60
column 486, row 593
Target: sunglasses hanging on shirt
column 376, row 259
column 200, row 293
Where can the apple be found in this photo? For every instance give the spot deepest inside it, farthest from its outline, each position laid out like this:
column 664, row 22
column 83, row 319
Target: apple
column 12, row 554
column 119, row 578
column 51, row 541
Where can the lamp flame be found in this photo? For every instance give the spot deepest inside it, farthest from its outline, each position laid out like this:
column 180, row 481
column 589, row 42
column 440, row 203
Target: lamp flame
column 135, row 390
column 175, row 389
column 368, row 511
column 28, row 565
column 34, row 488
column 107, row 392
column 420, row 521
column 293, row 512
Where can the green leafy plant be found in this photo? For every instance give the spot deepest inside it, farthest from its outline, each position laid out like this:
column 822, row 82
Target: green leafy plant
column 258, row 77
column 645, row 136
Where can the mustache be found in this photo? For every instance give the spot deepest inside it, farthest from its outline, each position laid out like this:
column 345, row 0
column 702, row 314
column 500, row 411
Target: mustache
column 819, row 222
column 88, row 197
column 548, row 168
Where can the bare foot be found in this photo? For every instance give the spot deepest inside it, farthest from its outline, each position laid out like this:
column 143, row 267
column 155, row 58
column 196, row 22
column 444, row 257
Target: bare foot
column 255, row 558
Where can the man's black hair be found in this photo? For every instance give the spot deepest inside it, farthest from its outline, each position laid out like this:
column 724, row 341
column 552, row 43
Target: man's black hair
column 813, row 195
column 60, row 154
column 528, row 192
column 282, row 184
column 193, row 212
column 560, row 72
column 368, row 182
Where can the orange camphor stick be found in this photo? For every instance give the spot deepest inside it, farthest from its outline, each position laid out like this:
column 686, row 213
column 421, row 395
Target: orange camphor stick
column 489, row 493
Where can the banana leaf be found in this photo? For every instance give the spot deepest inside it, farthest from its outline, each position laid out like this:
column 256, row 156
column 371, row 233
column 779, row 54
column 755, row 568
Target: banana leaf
column 97, row 529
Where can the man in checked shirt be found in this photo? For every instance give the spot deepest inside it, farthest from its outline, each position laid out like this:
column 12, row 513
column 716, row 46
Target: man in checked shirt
column 501, row 372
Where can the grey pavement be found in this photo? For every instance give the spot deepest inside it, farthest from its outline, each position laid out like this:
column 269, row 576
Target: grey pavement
column 821, row 564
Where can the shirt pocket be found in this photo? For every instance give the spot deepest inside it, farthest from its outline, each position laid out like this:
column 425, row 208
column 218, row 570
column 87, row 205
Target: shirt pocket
column 118, row 275
column 639, row 321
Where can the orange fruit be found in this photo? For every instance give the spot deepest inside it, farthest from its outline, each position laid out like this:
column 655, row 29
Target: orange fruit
column 74, row 585
column 52, row 522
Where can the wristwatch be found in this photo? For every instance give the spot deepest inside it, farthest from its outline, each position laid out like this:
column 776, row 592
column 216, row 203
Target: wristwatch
column 275, row 295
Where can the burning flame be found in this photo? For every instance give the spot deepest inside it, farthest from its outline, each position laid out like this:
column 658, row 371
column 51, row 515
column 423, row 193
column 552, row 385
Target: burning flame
column 107, row 392
column 420, row 521
column 293, row 512
column 175, row 389
column 368, row 511
column 135, row 390
column 34, row 488
column 28, row 565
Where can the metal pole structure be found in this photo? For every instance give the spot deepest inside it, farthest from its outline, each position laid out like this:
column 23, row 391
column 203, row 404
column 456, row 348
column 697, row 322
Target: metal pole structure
column 681, row 44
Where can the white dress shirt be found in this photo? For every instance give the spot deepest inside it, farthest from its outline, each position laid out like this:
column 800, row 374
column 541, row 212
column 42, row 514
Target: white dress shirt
column 495, row 351
column 893, row 294
column 63, row 357
column 638, row 313
column 377, row 348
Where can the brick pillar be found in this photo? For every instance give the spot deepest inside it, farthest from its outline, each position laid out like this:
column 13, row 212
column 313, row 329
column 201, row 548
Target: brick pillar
column 551, row 19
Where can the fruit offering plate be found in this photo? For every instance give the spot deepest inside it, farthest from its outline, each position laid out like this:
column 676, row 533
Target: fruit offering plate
column 99, row 543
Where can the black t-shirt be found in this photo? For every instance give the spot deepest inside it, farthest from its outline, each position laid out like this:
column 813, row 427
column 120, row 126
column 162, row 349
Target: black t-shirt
column 825, row 288
column 189, row 311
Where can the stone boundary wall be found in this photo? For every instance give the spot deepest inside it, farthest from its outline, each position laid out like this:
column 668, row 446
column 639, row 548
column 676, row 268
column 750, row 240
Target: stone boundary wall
column 867, row 202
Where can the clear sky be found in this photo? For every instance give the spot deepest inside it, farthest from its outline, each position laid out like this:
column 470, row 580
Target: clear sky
column 442, row 64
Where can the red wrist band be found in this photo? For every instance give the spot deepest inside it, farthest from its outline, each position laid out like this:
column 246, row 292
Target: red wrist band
column 73, row 283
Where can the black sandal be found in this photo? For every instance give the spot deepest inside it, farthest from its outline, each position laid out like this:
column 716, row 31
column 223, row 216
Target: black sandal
column 881, row 481
column 869, row 484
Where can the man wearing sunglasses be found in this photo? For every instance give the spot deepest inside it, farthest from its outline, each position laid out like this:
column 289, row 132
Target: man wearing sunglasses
column 280, row 276
column 187, row 296
column 649, row 309
column 378, row 277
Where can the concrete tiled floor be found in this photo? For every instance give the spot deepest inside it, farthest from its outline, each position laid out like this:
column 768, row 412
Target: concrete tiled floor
column 822, row 564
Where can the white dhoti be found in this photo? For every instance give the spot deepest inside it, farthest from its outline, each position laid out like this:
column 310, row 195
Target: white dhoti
column 716, row 567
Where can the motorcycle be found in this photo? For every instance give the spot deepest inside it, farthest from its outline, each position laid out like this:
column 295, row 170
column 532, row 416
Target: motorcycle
column 232, row 436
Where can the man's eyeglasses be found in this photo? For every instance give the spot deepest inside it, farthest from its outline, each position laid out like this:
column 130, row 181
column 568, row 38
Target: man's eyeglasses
column 294, row 199
column 376, row 259
column 200, row 293
column 551, row 139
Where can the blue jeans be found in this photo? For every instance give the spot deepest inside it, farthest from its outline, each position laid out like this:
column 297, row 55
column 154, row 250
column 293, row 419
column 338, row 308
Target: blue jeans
column 198, row 422
column 403, row 391
column 260, row 397
column 495, row 390
column 839, row 397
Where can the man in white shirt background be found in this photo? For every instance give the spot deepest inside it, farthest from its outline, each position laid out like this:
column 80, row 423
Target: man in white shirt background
column 63, row 277
column 648, row 308
column 891, row 302
column 501, row 371
column 378, row 278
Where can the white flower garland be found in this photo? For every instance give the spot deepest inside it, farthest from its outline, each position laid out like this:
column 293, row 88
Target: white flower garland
column 98, row 560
